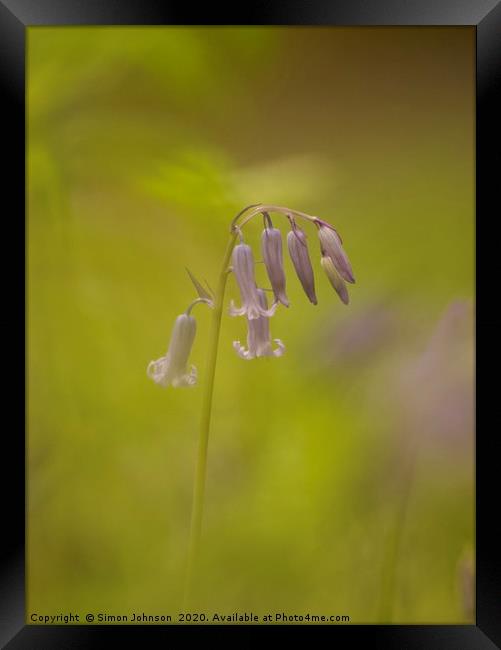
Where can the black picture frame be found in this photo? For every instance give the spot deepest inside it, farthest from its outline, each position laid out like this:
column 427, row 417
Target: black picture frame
column 15, row 17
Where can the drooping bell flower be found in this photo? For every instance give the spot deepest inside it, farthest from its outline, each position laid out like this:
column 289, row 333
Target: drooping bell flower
column 298, row 250
column 243, row 268
column 172, row 369
column 330, row 244
column 334, row 278
column 259, row 342
column 271, row 246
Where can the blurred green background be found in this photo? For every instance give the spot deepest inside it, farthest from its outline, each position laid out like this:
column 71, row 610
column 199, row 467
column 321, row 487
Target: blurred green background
column 340, row 476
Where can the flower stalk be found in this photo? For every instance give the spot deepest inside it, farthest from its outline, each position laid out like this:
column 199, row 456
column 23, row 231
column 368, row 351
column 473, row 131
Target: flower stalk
column 201, row 467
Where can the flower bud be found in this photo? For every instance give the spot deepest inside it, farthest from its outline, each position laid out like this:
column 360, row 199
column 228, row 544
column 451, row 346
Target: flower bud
column 271, row 246
column 334, row 278
column 330, row 244
column 298, row 250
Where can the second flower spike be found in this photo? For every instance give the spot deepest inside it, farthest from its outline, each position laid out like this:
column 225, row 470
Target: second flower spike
column 271, row 246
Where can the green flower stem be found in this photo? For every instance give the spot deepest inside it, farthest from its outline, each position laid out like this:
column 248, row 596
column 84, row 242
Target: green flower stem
column 393, row 548
column 201, row 468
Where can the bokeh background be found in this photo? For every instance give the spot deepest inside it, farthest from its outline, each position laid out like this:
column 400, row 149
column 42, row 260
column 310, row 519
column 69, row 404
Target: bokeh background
column 340, row 476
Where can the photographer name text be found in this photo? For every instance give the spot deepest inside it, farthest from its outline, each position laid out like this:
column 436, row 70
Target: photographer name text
column 140, row 618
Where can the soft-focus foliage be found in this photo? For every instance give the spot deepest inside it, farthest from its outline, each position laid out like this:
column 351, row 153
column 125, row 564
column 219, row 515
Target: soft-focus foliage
column 340, row 475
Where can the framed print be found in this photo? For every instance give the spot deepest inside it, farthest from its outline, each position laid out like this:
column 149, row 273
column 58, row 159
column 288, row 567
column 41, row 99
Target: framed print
column 244, row 252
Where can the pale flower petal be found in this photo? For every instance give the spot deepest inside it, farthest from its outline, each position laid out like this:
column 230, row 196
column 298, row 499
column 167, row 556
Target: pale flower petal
column 188, row 379
column 237, row 311
column 280, row 349
column 158, row 371
column 241, row 351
